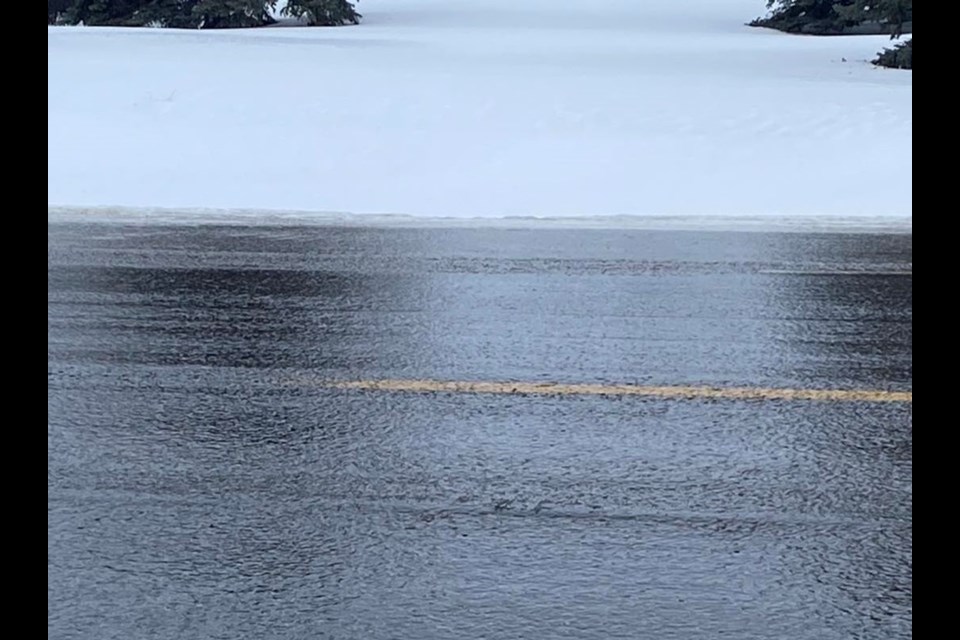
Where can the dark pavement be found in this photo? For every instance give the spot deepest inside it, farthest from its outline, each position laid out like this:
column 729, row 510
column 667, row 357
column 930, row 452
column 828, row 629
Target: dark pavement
column 205, row 480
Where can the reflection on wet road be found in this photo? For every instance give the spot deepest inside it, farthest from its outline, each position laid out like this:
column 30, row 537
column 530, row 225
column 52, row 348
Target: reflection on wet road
column 194, row 491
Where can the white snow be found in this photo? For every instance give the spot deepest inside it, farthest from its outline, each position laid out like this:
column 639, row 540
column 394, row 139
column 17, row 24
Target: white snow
column 486, row 108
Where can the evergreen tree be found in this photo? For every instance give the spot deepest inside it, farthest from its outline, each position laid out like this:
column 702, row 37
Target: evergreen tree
column 176, row 14
column 324, row 12
column 100, row 12
column 836, row 16
column 892, row 13
column 183, row 14
column 56, row 9
column 900, row 57
column 222, row 14
column 197, row 14
column 808, row 16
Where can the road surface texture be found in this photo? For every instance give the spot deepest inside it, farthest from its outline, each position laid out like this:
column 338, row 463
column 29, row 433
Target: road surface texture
column 396, row 433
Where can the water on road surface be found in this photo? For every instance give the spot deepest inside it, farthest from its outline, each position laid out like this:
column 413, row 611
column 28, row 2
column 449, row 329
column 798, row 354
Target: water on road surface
column 227, row 459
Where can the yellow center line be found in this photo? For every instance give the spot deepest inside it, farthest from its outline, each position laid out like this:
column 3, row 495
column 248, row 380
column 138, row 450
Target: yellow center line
column 562, row 389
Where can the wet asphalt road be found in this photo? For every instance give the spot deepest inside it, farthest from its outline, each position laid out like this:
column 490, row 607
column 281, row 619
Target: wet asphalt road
column 203, row 482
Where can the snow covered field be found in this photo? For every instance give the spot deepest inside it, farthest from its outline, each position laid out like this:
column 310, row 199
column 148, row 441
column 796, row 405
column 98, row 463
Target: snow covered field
column 483, row 108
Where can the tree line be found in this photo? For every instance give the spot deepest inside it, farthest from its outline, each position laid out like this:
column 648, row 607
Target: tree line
column 197, row 14
column 837, row 17
column 820, row 17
